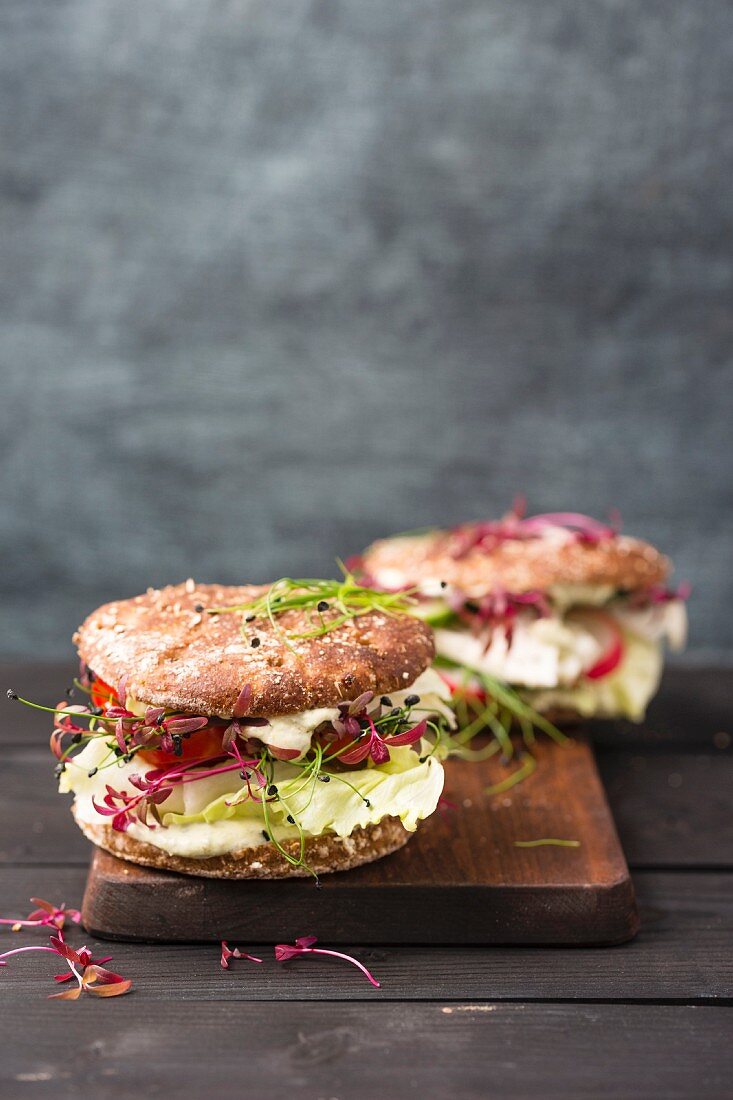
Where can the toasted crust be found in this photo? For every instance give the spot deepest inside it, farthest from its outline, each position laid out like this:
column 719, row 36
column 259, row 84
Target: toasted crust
column 322, row 854
column 518, row 566
column 184, row 660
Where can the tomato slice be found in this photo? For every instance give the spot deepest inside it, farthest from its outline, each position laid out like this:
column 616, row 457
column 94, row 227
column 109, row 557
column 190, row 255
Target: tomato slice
column 202, row 744
column 607, row 633
column 102, row 693
column 471, row 691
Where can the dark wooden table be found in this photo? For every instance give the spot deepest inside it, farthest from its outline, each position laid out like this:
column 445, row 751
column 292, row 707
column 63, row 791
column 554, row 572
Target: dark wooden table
column 649, row 1019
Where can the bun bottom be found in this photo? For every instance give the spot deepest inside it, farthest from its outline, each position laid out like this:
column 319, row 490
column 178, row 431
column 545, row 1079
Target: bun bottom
column 323, row 854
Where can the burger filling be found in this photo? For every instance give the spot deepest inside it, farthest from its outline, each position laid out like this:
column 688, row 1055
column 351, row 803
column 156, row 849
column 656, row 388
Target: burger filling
column 202, row 787
column 589, row 649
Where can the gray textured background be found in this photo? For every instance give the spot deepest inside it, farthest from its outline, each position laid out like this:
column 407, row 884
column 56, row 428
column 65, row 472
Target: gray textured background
column 279, row 277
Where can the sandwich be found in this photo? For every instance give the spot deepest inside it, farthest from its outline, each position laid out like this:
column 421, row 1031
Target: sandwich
column 253, row 732
column 563, row 610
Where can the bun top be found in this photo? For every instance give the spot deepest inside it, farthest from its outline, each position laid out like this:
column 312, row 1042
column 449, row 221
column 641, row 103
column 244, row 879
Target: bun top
column 176, row 656
column 517, row 565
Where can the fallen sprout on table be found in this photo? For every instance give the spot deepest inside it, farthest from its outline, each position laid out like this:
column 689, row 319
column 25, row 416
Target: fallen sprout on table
column 90, row 975
column 227, row 953
column 542, row 842
column 285, row 951
column 304, row 946
column 46, row 913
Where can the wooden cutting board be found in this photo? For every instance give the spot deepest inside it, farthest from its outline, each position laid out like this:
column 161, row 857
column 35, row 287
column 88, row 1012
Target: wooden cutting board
column 460, row 880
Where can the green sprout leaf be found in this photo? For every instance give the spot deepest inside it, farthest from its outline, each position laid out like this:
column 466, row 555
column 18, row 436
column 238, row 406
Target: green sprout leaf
column 547, row 840
column 320, row 599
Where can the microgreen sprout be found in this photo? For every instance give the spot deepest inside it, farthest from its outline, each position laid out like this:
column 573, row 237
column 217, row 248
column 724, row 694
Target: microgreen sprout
column 487, row 535
column 228, row 953
column 304, row 946
column 482, row 702
column 90, row 974
column 330, row 603
column 45, row 914
column 546, row 841
column 527, row 766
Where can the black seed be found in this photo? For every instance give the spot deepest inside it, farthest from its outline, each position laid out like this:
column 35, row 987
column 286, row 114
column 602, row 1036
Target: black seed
column 97, row 711
column 69, row 692
column 249, row 618
column 291, row 819
column 59, row 769
column 386, row 701
column 128, row 757
column 322, row 605
column 422, row 759
column 118, row 751
column 367, row 803
column 76, row 739
column 92, row 773
column 471, row 605
column 444, row 584
column 265, row 834
column 198, row 607
column 12, row 694
column 242, row 775
column 325, row 778
column 394, row 712
column 254, row 643
column 412, row 700
column 272, row 789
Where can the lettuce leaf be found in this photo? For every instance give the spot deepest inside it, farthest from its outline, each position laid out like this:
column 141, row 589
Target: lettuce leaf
column 626, row 691
column 403, row 787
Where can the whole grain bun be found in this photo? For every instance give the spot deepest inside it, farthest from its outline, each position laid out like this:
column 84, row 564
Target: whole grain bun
column 176, row 657
column 516, row 565
column 322, row 854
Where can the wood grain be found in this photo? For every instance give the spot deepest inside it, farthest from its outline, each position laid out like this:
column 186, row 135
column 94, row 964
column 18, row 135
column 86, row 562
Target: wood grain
column 471, row 1049
column 672, row 808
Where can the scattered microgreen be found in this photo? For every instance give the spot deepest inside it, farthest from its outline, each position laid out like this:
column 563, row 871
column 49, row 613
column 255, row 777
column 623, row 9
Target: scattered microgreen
column 228, row 953
column 547, row 840
column 304, row 946
column 90, row 975
column 44, row 915
column 527, row 766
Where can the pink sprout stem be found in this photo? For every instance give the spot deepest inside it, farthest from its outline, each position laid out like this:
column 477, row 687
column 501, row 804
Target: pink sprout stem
column 298, row 950
column 76, row 973
column 347, row 958
column 20, row 950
